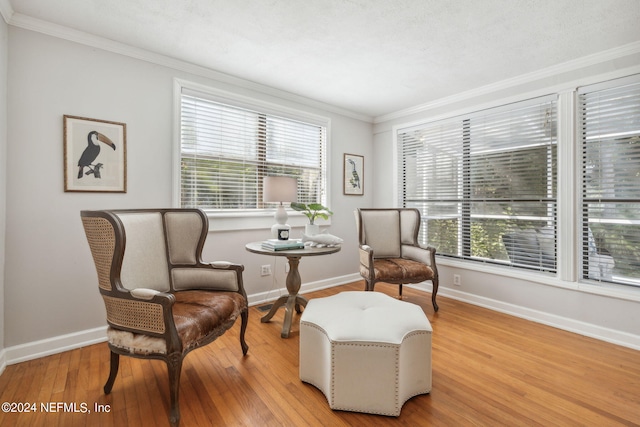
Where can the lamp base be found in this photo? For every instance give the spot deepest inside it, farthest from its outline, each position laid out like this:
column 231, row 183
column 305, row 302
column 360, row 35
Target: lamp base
column 280, row 230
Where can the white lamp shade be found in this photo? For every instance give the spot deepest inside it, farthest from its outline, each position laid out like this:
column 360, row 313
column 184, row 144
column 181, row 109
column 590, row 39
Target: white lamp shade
column 280, row 189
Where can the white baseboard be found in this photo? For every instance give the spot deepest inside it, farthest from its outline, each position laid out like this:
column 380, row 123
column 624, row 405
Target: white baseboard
column 49, row 346
column 3, row 360
column 587, row 329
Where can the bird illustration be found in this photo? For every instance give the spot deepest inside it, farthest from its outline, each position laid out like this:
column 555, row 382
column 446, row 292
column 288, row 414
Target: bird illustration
column 355, row 179
column 95, row 171
column 91, row 153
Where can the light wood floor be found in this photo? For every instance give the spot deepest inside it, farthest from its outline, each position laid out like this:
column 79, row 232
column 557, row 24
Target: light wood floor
column 489, row 369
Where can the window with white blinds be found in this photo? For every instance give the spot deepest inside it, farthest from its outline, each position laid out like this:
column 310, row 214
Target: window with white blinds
column 486, row 184
column 226, row 150
column 610, row 124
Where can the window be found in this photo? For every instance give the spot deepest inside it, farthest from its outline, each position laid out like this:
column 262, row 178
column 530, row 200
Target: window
column 226, row 150
column 486, row 184
column 610, row 123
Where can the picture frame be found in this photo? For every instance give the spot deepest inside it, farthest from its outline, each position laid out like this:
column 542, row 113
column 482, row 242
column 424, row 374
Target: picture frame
column 95, row 155
column 353, row 175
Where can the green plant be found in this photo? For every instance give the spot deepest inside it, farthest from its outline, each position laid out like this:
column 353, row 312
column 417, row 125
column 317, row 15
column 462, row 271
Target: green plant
column 312, row 210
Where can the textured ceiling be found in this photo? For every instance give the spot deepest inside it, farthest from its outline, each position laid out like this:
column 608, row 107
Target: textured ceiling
column 372, row 57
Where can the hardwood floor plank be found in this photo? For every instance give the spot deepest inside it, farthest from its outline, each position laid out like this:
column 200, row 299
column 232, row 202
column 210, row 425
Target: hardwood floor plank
column 489, row 369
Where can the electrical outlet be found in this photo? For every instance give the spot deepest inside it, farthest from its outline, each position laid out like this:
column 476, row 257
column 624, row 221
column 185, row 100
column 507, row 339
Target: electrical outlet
column 265, row 270
column 457, row 280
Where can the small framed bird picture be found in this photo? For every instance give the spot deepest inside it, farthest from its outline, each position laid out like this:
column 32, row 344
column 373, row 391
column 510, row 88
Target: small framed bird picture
column 95, row 155
column 353, row 175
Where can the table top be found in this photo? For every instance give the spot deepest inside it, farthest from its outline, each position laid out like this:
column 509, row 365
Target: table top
column 256, row 247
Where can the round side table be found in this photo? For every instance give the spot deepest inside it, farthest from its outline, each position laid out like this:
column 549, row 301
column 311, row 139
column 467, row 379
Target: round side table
column 293, row 300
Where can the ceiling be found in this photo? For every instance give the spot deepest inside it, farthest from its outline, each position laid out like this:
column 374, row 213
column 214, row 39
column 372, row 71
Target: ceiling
column 370, row 57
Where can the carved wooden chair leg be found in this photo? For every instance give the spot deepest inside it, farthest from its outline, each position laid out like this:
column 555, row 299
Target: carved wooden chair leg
column 174, row 365
column 434, row 292
column 243, row 327
column 115, row 363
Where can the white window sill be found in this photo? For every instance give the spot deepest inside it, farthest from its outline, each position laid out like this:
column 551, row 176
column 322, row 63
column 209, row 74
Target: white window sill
column 256, row 220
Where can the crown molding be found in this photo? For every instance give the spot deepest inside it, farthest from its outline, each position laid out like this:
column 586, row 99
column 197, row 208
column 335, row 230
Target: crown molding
column 569, row 66
column 37, row 25
column 6, row 10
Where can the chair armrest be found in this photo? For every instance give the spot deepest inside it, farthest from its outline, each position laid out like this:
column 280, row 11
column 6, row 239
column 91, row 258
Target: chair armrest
column 145, row 293
column 366, row 255
column 366, row 262
column 423, row 254
column 432, row 258
column 224, row 265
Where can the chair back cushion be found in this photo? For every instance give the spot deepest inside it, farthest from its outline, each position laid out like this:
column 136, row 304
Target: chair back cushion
column 409, row 226
column 184, row 231
column 145, row 257
column 381, row 231
column 203, row 278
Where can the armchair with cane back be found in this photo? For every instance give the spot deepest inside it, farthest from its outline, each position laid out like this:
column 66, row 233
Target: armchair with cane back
column 390, row 252
column 161, row 300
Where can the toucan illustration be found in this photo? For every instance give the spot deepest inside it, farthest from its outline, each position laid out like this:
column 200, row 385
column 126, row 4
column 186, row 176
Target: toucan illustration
column 91, row 153
column 355, row 181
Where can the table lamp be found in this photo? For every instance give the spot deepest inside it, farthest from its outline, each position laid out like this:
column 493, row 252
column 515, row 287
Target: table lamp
column 280, row 189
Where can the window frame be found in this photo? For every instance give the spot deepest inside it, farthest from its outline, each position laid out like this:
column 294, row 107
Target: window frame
column 245, row 219
column 569, row 237
column 585, row 240
column 464, row 170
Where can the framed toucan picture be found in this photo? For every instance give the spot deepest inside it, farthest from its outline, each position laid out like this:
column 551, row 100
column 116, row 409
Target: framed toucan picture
column 95, row 155
column 353, row 175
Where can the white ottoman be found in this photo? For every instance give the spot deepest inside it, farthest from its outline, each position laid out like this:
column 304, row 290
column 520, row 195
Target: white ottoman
column 366, row 351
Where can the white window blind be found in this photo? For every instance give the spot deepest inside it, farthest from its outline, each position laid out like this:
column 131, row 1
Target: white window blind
column 226, row 150
column 610, row 124
column 486, row 184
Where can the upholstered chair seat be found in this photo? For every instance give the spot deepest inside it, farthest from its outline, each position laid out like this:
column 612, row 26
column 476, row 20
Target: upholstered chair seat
column 197, row 316
column 400, row 270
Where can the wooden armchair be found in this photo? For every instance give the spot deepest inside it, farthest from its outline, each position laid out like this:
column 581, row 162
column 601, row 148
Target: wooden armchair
column 390, row 252
column 161, row 300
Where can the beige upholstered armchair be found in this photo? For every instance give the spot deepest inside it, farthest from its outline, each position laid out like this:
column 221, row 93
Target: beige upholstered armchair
column 390, row 252
column 161, row 300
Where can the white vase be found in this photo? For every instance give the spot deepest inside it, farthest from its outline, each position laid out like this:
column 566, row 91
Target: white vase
column 311, row 229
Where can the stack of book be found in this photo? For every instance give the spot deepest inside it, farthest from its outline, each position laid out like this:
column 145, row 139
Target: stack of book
column 282, row 245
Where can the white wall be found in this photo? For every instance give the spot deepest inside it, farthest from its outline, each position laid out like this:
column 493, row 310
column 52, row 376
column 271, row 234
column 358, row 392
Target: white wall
column 4, row 47
column 608, row 313
column 50, row 286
